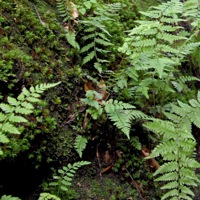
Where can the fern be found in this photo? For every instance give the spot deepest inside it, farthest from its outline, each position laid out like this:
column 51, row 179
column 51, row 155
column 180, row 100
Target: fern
column 80, row 144
column 122, row 114
column 71, row 38
column 65, row 10
column 157, row 46
column 180, row 83
column 9, row 197
column 176, row 148
column 13, row 112
column 97, row 37
column 47, row 196
column 63, row 179
column 62, row 8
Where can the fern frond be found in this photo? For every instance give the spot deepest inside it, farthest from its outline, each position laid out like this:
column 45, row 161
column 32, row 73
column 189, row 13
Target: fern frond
column 80, row 144
column 168, row 37
column 71, row 38
column 6, row 108
column 87, row 47
column 9, row 128
column 12, row 111
column 89, row 57
column 122, row 114
column 170, row 176
column 9, row 197
column 144, row 43
column 48, row 196
column 177, row 147
column 3, row 138
column 167, row 167
column 64, row 178
column 171, row 185
column 62, row 8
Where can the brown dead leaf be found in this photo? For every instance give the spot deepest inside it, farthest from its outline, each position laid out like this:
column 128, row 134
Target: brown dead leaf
column 107, row 158
column 85, row 120
column 74, row 11
column 106, row 169
column 153, row 163
column 101, row 89
column 88, row 86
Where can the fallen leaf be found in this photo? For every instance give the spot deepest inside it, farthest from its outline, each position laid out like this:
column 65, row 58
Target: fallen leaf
column 153, row 163
column 88, row 86
column 74, row 11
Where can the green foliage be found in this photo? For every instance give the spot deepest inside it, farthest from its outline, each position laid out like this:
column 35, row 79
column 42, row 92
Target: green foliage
column 63, row 179
column 13, row 111
column 9, row 197
column 71, row 38
column 154, row 51
column 80, row 144
column 96, row 39
column 95, row 109
column 47, row 196
column 63, row 8
column 122, row 114
column 119, row 112
column 177, row 148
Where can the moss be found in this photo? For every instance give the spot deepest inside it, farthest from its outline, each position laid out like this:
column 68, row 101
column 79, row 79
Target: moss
column 109, row 188
column 34, row 50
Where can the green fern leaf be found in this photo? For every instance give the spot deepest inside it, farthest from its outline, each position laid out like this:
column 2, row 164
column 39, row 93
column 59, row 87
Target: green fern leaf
column 186, row 190
column 17, row 119
column 171, row 176
column 47, row 196
column 23, row 111
column 89, row 36
column 167, row 167
column 89, row 57
column 42, row 87
column 71, row 38
column 171, row 185
column 32, row 99
column 13, row 101
column 3, row 138
column 103, row 42
column 9, row 197
column 26, row 92
column 87, row 47
column 27, row 105
column 2, row 117
column 6, row 108
column 9, row 128
column 80, row 144
column 171, row 193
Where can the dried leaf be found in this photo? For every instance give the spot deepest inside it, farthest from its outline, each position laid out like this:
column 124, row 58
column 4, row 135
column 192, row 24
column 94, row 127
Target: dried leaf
column 106, row 169
column 85, row 120
column 101, row 88
column 152, row 161
column 74, row 11
column 88, row 86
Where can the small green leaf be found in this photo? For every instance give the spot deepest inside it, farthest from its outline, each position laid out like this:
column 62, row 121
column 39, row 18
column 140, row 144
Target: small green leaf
column 6, row 108
column 12, row 101
column 88, row 5
column 17, row 119
column 27, row 105
column 7, row 127
column 3, row 138
column 89, row 57
column 23, row 110
column 71, row 38
column 80, row 144
column 25, row 92
column 32, row 99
